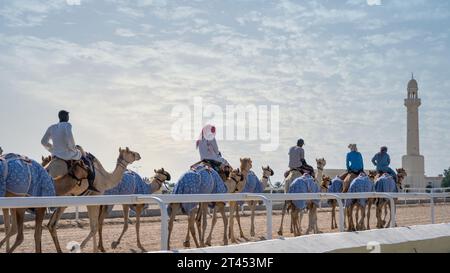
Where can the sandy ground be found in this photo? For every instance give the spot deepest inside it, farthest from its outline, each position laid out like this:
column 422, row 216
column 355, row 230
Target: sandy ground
column 150, row 229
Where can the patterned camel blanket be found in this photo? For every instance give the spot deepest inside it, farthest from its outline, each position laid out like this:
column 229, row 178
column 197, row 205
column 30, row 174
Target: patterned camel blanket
column 336, row 185
column 303, row 184
column 131, row 183
column 252, row 185
column 25, row 177
column 200, row 180
column 360, row 184
column 385, row 183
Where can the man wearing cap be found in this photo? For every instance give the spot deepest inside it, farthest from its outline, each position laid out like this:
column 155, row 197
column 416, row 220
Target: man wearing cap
column 63, row 144
column 382, row 160
column 297, row 164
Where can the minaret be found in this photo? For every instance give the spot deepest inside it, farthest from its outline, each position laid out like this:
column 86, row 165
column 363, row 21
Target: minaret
column 413, row 162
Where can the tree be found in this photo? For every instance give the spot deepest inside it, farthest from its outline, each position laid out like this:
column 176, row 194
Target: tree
column 446, row 180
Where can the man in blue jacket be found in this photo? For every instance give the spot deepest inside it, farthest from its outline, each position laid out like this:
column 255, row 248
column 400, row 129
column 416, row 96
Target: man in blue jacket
column 382, row 160
column 354, row 162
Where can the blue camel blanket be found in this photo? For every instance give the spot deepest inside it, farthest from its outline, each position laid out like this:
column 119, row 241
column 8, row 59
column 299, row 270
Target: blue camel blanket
column 303, row 184
column 200, row 180
column 360, row 184
column 22, row 176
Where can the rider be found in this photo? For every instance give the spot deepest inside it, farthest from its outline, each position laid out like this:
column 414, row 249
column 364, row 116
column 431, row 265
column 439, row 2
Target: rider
column 297, row 158
column 63, row 145
column 354, row 161
column 208, row 149
column 382, row 160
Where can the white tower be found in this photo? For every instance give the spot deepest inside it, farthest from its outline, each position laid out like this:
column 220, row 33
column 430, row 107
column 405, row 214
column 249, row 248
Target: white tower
column 413, row 162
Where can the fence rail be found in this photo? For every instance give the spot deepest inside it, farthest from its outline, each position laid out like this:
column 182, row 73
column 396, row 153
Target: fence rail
column 163, row 200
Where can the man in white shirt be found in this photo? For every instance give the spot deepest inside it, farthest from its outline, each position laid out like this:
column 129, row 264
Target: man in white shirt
column 63, row 144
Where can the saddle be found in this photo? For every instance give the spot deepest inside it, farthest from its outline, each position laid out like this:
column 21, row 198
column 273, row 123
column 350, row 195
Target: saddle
column 86, row 162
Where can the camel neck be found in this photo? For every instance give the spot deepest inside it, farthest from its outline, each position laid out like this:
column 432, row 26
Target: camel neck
column 105, row 180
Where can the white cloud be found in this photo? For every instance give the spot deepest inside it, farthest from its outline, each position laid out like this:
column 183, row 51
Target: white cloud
column 374, row 2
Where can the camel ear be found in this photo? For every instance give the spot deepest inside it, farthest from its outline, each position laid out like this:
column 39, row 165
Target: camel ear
column 127, row 149
column 155, row 171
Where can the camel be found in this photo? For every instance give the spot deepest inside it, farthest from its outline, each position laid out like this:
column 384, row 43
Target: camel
column 201, row 179
column 254, row 185
column 131, row 183
column 291, row 177
column 385, row 183
column 360, row 184
column 332, row 186
column 22, row 177
column 246, row 165
column 304, row 184
column 235, row 184
column 69, row 186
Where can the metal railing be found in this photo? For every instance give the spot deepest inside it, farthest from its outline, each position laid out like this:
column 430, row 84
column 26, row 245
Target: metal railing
column 164, row 200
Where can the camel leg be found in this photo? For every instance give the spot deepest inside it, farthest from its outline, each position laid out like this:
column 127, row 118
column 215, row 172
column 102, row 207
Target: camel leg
column 233, row 207
column 126, row 215
column 93, row 212
column 174, row 209
column 101, row 220
column 294, row 221
column 187, row 240
column 204, row 213
column 363, row 215
column 388, row 206
column 378, row 214
column 20, row 215
column 192, row 226
column 225, row 223
column 52, row 223
column 314, row 219
column 213, row 223
column 238, row 220
column 7, row 222
column 299, row 221
column 252, row 228
column 40, row 214
column 350, row 217
column 12, row 228
column 333, row 215
column 357, row 216
column 369, row 207
column 283, row 212
column 139, row 209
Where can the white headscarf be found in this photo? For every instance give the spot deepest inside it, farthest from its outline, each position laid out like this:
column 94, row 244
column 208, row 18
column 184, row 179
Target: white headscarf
column 208, row 132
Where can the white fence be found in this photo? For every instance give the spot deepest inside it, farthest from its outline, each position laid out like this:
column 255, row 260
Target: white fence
column 163, row 200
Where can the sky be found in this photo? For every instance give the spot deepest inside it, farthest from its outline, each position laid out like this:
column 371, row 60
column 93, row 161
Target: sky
column 338, row 71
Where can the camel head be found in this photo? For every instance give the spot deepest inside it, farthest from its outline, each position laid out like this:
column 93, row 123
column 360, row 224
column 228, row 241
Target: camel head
column 267, row 171
column 246, row 164
column 128, row 155
column 401, row 174
column 235, row 182
column 46, row 160
column 161, row 176
column 326, row 180
column 372, row 175
column 321, row 162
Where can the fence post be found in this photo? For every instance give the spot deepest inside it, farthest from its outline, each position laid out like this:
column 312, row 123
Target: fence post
column 433, row 219
column 341, row 214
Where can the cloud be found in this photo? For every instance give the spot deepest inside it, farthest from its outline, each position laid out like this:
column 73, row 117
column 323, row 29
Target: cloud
column 337, row 72
column 374, row 2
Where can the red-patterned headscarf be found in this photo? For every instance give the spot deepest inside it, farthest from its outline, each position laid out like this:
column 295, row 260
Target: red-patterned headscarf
column 208, row 132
